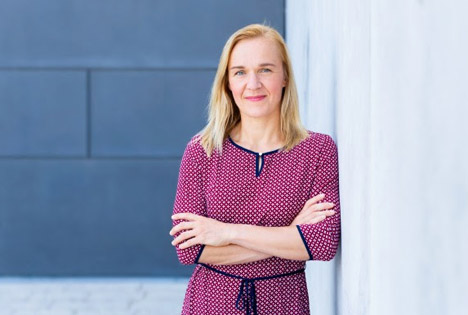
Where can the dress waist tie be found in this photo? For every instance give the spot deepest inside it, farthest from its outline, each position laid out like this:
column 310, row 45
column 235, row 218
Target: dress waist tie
column 247, row 299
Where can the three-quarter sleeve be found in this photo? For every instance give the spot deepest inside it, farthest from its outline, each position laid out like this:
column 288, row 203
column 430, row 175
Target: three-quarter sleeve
column 189, row 198
column 321, row 239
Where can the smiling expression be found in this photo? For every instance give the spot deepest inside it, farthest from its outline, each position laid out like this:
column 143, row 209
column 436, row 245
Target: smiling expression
column 256, row 77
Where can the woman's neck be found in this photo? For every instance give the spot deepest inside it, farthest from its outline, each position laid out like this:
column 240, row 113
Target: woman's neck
column 258, row 135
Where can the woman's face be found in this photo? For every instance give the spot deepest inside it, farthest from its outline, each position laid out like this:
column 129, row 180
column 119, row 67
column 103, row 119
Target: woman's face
column 256, row 77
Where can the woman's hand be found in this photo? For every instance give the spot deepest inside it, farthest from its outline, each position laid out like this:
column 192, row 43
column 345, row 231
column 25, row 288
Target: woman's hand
column 314, row 212
column 199, row 230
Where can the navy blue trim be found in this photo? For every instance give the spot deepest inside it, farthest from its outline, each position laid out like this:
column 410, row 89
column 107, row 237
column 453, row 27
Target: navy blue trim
column 305, row 243
column 247, row 298
column 257, row 171
column 257, row 156
column 253, row 279
column 250, row 151
column 199, row 253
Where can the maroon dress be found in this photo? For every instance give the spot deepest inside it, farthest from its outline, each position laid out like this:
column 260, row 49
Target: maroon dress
column 230, row 187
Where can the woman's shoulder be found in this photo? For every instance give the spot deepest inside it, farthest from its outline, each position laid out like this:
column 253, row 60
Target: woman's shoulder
column 195, row 140
column 195, row 148
column 194, row 144
column 319, row 140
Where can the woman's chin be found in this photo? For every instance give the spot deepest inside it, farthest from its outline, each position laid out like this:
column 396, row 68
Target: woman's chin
column 258, row 114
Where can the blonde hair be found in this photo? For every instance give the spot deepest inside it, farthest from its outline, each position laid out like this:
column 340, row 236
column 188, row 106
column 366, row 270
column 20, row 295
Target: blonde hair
column 223, row 114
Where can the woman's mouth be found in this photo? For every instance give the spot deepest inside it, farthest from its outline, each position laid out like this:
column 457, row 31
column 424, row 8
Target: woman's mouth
column 255, row 98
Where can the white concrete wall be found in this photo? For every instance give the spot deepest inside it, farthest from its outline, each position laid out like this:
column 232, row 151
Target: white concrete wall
column 389, row 81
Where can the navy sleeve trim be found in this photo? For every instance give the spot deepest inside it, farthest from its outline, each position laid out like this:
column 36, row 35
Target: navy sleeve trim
column 199, row 253
column 305, row 243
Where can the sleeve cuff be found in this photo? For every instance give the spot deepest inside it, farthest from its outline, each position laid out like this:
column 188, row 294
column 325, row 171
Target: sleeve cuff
column 304, row 241
column 199, row 253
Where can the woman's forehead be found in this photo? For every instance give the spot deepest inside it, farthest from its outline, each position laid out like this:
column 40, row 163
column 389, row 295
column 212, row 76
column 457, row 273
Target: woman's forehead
column 255, row 51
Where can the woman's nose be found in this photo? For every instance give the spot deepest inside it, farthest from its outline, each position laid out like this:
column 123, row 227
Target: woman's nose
column 253, row 82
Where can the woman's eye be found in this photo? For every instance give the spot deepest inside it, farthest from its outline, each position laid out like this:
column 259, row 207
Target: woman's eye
column 240, row 72
column 265, row 70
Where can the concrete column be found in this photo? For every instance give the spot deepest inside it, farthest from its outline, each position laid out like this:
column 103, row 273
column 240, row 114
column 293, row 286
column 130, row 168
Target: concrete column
column 389, row 80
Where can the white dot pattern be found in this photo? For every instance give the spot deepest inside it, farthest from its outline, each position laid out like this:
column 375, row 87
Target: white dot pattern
column 228, row 187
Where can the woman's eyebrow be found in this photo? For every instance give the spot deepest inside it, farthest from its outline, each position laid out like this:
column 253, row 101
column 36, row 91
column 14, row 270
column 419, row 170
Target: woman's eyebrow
column 267, row 65
column 237, row 67
column 260, row 65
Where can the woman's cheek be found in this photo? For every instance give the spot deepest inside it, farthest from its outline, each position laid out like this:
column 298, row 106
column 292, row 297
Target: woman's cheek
column 236, row 93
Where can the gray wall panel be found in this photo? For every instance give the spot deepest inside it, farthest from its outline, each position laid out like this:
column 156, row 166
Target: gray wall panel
column 97, row 102
column 87, row 217
column 42, row 113
column 147, row 113
column 129, row 33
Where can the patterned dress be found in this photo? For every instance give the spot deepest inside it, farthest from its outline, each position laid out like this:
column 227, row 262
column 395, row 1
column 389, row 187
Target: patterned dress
column 233, row 187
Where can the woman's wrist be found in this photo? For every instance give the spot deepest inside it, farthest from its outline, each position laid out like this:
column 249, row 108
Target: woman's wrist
column 235, row 232
column 238, row 234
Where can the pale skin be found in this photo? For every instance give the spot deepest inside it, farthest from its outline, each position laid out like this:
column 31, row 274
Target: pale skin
column 227, row 243
column 256, row 80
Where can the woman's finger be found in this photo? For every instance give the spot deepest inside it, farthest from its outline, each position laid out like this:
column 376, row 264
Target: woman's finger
column 322, row 206
column 305, row 215
column 181, row 226
column 185, row 216
column 323, row 213
column 316, row 217
column 189, row 243
column 183, row 236
column 314, row 199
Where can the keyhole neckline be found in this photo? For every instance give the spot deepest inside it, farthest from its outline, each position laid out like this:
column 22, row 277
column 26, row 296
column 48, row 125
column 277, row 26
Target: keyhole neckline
column 250, row 151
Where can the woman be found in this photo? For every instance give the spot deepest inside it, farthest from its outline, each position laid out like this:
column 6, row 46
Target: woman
column 257, row 194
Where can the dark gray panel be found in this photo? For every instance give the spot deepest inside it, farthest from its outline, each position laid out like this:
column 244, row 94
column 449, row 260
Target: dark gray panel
column 147, row 113
column 43, row 113
column 83, row 217
column 126, row 33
